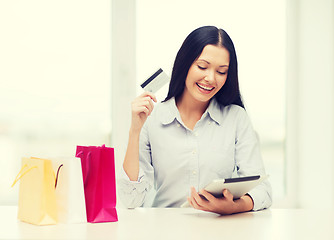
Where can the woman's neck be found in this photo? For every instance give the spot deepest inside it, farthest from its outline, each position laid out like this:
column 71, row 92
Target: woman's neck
column 190, row 110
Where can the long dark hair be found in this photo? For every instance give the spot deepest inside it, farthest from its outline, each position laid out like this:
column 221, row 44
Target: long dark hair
column 190, row 50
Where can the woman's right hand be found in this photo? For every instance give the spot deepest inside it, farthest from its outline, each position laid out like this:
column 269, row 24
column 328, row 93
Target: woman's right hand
column 142, row 106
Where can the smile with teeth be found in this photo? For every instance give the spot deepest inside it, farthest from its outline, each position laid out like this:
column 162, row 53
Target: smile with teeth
column 204, row 87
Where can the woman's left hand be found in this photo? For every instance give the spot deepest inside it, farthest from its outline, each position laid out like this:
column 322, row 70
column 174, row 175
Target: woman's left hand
column 224, row 205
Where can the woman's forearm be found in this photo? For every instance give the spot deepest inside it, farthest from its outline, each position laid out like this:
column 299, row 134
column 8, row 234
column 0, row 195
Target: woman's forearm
column 131, row 160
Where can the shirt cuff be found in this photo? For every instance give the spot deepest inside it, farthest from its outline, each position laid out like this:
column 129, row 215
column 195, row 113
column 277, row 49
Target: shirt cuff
column 124, row 176
column 260, row 199
column 132, row 193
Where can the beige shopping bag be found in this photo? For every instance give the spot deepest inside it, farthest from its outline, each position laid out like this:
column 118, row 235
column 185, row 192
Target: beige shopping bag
column 37, row 199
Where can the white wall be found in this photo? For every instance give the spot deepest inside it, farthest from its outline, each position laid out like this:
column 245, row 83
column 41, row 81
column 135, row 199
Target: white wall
column 310, row 103
column 123, row 73
column 54, row 43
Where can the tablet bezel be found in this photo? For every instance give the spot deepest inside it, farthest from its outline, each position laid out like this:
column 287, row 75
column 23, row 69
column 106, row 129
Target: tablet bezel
column 237, row 186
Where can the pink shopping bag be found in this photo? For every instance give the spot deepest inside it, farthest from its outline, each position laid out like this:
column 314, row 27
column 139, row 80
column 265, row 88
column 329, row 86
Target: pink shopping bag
column 98, row 172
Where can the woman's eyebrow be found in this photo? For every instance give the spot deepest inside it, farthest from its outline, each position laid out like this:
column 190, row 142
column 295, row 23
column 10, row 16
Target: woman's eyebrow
column 204, row 61
column 209, row 62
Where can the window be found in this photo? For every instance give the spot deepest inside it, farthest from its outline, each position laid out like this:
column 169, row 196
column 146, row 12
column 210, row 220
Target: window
column 54, row 81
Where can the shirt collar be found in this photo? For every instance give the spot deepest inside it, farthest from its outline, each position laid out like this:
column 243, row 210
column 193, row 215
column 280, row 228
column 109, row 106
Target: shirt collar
column 169, row 112
column 215, row 111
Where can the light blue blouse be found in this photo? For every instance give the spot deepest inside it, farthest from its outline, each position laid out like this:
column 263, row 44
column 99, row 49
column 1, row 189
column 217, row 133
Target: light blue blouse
column 173, row 158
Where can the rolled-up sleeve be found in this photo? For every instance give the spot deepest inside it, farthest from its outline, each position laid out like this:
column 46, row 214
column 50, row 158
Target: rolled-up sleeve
column 133, row 193
column 249, row 161
column 261, row 196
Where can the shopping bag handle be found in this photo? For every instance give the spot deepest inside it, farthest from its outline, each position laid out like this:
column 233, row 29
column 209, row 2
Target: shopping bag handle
column 78, row 154
column 88, row 160
column 88, row 169
column 22, row 173
column 56, row 180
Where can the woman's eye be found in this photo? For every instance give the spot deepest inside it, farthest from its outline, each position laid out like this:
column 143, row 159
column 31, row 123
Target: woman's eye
column 200, row 67
column 222, row 73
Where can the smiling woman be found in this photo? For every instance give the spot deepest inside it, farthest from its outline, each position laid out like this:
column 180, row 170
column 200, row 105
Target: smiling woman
column 255, row 28
column 206, row 58
column 207, row 74
column 203, row 108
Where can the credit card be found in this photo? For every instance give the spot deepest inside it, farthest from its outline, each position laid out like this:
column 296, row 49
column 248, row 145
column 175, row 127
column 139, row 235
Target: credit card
column 156, row 81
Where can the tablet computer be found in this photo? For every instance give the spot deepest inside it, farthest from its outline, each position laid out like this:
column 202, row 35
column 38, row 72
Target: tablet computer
column 237, row 186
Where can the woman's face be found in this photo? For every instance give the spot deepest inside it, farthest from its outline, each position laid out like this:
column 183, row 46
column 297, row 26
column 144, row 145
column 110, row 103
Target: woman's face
column 207, row 74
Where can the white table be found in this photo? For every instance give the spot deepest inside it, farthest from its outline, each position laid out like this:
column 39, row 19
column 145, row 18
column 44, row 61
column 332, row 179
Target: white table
column 176, row 223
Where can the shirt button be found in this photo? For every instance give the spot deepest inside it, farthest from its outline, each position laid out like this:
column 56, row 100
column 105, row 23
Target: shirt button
column 196, row 134
column 194, row 172
column 178, row 125
column 194, row 152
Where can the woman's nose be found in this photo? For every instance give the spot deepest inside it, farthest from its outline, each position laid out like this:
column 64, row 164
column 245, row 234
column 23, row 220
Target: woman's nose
column 210, row 76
